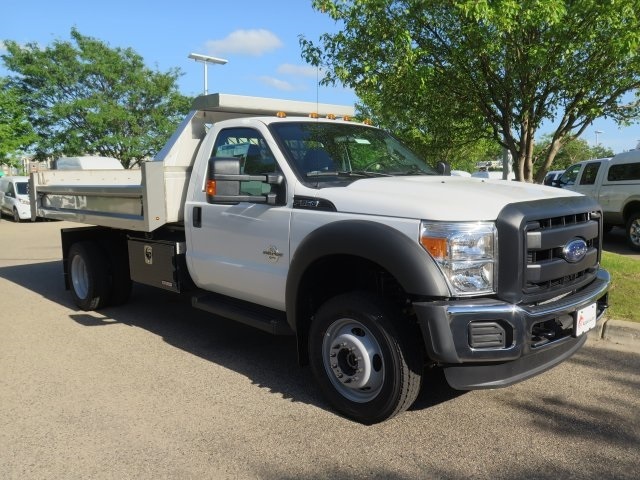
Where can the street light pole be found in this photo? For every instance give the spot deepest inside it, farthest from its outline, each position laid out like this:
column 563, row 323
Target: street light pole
column 598, row 132
column 206, row 60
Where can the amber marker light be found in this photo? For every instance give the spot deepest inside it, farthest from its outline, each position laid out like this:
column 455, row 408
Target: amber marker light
column 331, row 116
column 314, row 115
column 281, row 115
column 211, row 187
column 436, row 246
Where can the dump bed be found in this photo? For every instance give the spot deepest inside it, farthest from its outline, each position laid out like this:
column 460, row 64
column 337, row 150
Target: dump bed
column 127, row 199
column 146, row 199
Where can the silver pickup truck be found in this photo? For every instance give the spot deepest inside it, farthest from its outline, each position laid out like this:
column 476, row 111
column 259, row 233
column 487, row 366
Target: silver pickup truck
column 615, row 184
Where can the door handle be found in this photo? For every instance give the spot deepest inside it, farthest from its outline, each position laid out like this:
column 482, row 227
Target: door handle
column 197, row 217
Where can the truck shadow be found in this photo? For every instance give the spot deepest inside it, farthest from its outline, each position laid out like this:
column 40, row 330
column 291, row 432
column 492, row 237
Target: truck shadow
column 269, row 361
column 615, row 241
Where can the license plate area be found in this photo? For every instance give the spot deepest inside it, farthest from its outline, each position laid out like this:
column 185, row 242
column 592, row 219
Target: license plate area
column 584, row 320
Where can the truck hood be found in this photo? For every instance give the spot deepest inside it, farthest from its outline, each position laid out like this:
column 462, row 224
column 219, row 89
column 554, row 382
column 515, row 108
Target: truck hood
column 435, row 197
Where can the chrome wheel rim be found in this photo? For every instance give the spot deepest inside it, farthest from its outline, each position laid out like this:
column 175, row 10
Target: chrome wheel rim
column 353, row 360
column 634, row 232
column 79, row 277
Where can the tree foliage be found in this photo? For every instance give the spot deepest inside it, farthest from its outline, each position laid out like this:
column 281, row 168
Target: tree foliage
column 84, row 97
column 496, row 69
column 16, row 133
column 571, row 152
column 458, row 143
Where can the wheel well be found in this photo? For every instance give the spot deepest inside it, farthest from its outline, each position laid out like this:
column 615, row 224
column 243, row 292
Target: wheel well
column 336, row 274
column 113, row 242
column 630, row 209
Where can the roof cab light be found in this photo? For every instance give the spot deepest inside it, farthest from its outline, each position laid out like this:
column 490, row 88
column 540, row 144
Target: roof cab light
column 466, row 254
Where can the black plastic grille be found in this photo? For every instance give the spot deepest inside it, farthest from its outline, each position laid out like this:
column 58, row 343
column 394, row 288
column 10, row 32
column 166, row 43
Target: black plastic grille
column 546, row 270
column 487, row 335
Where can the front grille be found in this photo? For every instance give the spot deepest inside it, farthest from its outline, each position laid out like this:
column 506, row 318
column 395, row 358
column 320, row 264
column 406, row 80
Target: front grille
column 546, row 269
column 531, row 238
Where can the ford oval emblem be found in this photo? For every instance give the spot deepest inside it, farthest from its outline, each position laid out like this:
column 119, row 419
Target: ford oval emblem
column 575, row 250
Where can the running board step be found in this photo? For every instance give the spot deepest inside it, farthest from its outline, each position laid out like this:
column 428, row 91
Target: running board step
column 263, row 318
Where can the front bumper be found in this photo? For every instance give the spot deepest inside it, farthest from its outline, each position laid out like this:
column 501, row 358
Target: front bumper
column 534, row 338
column 24, row 211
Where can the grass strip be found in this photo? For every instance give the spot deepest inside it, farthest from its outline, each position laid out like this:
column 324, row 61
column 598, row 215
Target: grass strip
column 624, row 294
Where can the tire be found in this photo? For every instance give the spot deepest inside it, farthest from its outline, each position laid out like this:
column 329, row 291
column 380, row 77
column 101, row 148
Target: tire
column 633, row 231
column 88, row 276
column 366, row 362
column 16, row 215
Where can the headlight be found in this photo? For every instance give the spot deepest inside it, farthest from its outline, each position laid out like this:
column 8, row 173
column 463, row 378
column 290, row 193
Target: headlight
column 466, row 254
column 23, row 201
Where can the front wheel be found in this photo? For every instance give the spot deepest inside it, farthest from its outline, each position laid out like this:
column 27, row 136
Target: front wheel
column 16, row 215
column 366, row 362
column 633, row 231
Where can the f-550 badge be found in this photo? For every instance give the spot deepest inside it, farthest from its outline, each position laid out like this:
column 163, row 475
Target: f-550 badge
column 272, row 253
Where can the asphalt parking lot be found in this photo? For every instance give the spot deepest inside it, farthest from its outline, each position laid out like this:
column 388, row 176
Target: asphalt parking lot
column 615, row 242
column 157, row 390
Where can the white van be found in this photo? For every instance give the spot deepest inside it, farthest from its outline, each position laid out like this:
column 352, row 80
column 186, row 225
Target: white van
column 14, row 197
column 88, row 163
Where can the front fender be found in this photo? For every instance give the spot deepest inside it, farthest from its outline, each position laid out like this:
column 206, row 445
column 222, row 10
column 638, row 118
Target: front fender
column 402, row 257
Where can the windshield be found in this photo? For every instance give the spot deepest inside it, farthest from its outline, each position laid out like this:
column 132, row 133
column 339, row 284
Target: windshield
column 23, row 188
column 326, row 152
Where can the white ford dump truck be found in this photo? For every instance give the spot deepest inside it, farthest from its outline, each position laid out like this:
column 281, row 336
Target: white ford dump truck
column 335, row 233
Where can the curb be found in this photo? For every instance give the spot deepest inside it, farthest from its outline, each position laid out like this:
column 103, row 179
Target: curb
column 621, row 332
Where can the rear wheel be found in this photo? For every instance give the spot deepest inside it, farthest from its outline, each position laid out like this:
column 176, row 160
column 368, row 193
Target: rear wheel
column 633, row 231
column 365, row 360
column 89, row 275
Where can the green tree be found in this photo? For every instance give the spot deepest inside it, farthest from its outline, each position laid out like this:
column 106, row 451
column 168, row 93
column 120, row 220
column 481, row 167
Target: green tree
column 571, row 152
column 84, row 97
column 499, row 68
column 16, row 133
column 458, row 144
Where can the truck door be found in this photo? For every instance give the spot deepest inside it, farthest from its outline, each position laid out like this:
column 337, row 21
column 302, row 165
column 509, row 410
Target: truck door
column 241, row 250
column 568, row 178
column 586, row 182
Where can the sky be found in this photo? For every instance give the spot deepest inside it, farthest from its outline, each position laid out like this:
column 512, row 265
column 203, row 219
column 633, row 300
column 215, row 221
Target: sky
column 259, row 38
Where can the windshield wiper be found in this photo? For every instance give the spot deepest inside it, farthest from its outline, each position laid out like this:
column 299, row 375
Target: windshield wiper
column 348, row 174
column 367, row 173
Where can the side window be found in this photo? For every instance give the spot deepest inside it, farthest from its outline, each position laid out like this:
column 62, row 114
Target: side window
column 570, row 175
column 255, row 156
column 624, row 172
column 590, row 173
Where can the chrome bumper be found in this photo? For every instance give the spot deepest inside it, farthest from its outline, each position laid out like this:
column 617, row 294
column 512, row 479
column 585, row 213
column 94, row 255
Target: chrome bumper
column 448, row 331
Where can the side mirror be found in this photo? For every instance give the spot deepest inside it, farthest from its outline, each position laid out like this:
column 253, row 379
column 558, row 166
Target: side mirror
column 443, row 168
column 224, row 181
